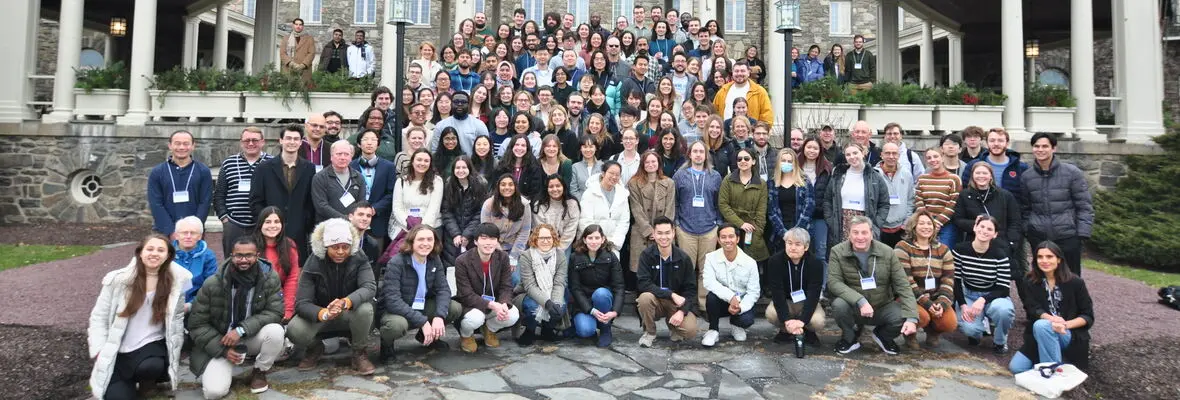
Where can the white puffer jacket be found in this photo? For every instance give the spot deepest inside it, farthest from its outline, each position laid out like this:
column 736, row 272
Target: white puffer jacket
column 614, row 217
column 107, row 327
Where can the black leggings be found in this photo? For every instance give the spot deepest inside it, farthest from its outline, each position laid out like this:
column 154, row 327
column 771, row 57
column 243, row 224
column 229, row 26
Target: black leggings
column 146, row 365
column 718, row 308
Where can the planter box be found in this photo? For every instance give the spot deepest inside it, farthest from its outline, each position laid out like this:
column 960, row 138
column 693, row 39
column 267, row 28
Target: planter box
column 1049, row 119
column 813, row 116
column 912, row 117
column 193, row 105
column 105, row 104
column 266, row 106
column 951, row 118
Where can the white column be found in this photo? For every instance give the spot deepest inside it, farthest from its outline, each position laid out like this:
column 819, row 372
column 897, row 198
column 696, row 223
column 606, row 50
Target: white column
column 1031, row 69
column 955, row 58
column 69, row 49
column 888, row 55
column 926, row 55
column 706, row 8
column 776, row 72
column 221, row 37
column 1138, row 70
column 192, row 29
column 265, row 33
column 1012, row 66
column 248, row 55
column 108, row 49
column 389, row 61
column 143, row 58
column 19, row 25
column 1081, row 59
column 464, row 9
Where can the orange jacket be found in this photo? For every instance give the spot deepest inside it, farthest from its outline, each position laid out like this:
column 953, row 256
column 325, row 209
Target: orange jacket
column 757, row 99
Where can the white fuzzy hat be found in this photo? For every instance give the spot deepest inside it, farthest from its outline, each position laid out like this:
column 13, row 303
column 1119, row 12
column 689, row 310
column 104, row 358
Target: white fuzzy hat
column 337, row 231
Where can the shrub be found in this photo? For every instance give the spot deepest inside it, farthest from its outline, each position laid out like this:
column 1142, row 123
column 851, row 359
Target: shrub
column 1040, row 95
column 826, row 90
column 893, row 93
column 964, row 94
column 114, row 76
column 1137, row 222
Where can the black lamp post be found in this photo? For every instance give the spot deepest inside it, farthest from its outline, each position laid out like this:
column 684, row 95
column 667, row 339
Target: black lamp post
column 397, row 12
column 788, row 24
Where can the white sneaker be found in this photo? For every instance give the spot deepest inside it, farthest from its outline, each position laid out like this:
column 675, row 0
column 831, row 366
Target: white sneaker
column 646, row 340
column 710, row 338
column 739, row 334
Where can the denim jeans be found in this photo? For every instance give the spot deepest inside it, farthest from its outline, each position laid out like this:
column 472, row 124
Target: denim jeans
column 949, row 235
column 1049, row 346
column 1000, row 311
column 819, row 246
column 585, row 325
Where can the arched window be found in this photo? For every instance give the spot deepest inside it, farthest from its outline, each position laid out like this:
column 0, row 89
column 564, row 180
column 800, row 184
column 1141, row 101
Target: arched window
column 1054, row 76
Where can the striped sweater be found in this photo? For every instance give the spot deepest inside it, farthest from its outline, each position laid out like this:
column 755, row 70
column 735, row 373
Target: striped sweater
column 935, row 262
column 981, row 272
column 228, row 200
column 937, row 194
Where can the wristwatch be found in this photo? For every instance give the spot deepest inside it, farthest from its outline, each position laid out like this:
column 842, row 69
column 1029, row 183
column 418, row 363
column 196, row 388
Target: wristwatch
column 241, row 331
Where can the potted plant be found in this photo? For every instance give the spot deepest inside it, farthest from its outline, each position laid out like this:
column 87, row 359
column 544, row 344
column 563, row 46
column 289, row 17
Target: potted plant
column 912, row 106
column 101, row 92
column 961, row 105
column 278, row 95
column 823, row 102
column 1049, row 108
column 197, row 93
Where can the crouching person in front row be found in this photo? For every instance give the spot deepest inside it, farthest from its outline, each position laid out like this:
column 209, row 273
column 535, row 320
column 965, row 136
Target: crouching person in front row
column 795, row 279
column 731, row 278
column 415, row 294
column 335, row 294
column 236, row 313
column 667, row 284
column 484, row 281
column 870, row 288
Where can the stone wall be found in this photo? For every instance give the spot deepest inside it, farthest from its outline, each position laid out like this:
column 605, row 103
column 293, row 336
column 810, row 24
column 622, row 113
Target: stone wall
column 47, row 55
column 815, row 18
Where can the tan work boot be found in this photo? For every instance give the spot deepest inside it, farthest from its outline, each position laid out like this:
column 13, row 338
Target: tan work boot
column 489, row 338
column 361, row 363
column 312, row 356
column 911, row 342
column 932, row 339
column 467, row 344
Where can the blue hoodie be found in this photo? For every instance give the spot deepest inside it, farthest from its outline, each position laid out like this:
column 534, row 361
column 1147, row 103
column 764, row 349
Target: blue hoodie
column 200, row 261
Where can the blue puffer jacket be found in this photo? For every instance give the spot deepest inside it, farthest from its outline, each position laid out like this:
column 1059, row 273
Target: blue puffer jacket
column 201, row 261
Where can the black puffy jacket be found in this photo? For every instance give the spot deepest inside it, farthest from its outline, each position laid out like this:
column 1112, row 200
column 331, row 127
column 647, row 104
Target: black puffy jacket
column 998, row 203
column 462, row 217
column 1057, row 201
column 587, row 276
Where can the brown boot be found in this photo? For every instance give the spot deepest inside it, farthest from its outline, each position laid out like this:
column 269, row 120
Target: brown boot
column 911, row 343
column 489, row 337
column 361, row 363
column 311, row 356
column 258, row 382
column 932, row 339
column 467, row 344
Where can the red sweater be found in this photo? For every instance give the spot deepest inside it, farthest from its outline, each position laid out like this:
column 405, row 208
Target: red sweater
column 289, row 274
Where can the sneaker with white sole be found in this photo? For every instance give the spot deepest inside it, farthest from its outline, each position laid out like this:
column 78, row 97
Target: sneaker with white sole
column 710, row 338
column 845, row 347
column 887, row 345
column 739, row 334
column 646, row 340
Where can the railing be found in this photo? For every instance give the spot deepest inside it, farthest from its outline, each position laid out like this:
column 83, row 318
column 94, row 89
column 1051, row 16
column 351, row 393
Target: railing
column 1110, row 117
column 1170, row 9
column 40, row 106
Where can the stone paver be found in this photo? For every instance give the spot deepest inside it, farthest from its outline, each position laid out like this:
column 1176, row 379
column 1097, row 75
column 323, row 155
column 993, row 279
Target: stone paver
column 340, row 395
column 1002, row 382
column 753, row 366
column 955, row 363
column 275, row 395
column 620, row 386
column 542, row 371
column 354, row 382
column 599, row 371
column 292, row 375
column 789, row 391
column 653, row 359
column 949, row 389
column 695, row 376
column 574, row 393
column 904, row 387
column 680, row 383
column 456, row 361
column 457, row 394
column 417, row 392
column 702, row 356
column 813, row 371
column 600, row 357
column 734, row 388
column 699, row 392
column 483, row 381
column 193, row 394
column 658, row 394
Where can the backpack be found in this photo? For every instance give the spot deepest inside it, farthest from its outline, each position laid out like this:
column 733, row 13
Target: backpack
column 1170, row 296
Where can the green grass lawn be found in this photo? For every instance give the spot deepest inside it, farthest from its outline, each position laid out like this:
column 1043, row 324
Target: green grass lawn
column 1150, row 277
column 15, row 256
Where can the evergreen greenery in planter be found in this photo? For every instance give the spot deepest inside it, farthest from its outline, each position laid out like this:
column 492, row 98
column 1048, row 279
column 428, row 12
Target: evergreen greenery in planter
column 893, row 93
column 1137, row 221
column 114, row 76
column 199, row 80
column 1040, row 95
column 965, row 95
column 826, row 90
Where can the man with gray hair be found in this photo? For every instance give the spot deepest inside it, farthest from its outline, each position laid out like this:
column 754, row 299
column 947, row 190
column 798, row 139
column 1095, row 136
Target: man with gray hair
column 860, row 134
column 337, row 187
column 193, row 254
column 231, row 195
column 869, row 287
column 795, row 284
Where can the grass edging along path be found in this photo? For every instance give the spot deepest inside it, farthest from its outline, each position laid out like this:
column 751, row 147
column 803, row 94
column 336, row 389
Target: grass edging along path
column 1152, row 278
column 19, row 255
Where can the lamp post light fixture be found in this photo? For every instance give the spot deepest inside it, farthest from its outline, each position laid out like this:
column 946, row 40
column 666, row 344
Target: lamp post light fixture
column 787, row 24
column 1032, row 50
column 397, row 12
column 118, row 27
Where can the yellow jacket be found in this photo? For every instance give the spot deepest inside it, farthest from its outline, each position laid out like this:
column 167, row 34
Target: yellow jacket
column 757, row 99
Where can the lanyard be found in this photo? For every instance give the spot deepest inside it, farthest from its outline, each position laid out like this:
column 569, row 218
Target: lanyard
column 791, row 280
column 858, row 60
column 345, row 185
column 1053, row 299
column 697, row 180
column 249, row 165
column 319, row 152
column 872, row 274
column 187, row 181
column 485, row 282
column 929, row 261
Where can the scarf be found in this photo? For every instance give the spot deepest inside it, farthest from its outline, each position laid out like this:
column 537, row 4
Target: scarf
column 544, row 266
column 241, row 288
column 293, row 41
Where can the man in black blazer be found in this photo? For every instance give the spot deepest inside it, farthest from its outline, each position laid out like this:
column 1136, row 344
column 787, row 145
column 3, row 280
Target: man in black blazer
column 379, row 175
column 285, row 182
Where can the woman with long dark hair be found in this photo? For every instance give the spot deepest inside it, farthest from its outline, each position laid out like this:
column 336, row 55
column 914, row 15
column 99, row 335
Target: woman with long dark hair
column 137, row 324
column 463, row 196
column 417, row 196
column 596, row 285
column 483, row 161
column 982, row 274
column 448, row 151
column 1060, row 313
column 282, row 254
column 742, row 201
column 818, row 170
column 520, row 162
column 509, row 211
column 558, row 208
column 589, row 166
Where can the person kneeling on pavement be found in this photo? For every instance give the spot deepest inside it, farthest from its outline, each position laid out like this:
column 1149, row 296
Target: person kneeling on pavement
column 416, row 293
column 543, row 274
column 488, row 308
column 666, row 278
column 236, row 313
column 335, row 294
column 596, row 285
column 870, row 288
column 731, row 277
column 795, row 279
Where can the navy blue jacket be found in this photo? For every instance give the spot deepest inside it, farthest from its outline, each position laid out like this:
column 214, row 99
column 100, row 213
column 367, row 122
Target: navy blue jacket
column 195, row 178
column 380, row 193
column 1010, row 180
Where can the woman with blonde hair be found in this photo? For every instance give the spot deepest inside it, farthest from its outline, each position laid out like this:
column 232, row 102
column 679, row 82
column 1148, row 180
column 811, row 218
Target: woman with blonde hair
column 791, row 202
column 543, row 270
column 428, row 60
column 721, row 149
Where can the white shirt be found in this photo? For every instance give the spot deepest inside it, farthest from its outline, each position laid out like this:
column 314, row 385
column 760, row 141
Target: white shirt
column 735, row 92
column 852, row 194
column 140, row 329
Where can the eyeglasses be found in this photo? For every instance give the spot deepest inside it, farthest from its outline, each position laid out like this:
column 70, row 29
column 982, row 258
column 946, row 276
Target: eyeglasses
column 251, row 140
column 544, row 237
column 745, row 159
column 612, row 45
column 244, row 256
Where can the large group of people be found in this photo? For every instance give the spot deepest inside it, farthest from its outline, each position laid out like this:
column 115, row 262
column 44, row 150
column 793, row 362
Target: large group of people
column 555, row 177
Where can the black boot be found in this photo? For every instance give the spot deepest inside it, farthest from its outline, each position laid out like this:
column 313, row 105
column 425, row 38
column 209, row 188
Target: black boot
column 387, row 354
column 527, row 338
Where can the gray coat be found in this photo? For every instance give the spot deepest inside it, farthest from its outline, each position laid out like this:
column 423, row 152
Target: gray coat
column 1057, row 201
column 876, row 199
column 326, row 192
column 401, row 284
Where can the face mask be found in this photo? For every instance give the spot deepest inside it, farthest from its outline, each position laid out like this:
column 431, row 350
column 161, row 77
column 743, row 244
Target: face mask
column 786, row 168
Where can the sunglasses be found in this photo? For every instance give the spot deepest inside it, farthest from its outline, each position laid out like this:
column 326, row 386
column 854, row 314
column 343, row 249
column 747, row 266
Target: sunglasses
column 745, row 159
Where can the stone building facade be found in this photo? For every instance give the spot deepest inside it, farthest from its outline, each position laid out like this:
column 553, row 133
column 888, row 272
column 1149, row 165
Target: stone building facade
column 1058, row 59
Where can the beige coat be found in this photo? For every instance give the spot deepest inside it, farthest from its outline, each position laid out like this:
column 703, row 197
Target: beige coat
column 648, row 201
column 304, row 53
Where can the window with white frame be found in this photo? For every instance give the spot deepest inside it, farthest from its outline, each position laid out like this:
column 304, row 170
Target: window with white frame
column 534, row 9
column 581, row 10
column 311, row 11
column 840, row 18
column 420, row 12
column 480, row 6
column 248, row 7
column 365, row 11
column 622, row 8
column 735, row 15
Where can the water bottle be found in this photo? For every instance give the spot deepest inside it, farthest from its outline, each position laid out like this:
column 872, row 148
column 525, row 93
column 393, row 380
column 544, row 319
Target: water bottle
column 799, row 353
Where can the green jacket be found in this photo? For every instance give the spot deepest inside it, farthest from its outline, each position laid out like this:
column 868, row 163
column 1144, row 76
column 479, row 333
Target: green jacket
column 892, row 282
column 739, row 204
column 868, row 67
column 209, row 317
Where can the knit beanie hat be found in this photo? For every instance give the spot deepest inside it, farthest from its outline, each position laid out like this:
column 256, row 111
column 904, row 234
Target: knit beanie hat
column 337, row 231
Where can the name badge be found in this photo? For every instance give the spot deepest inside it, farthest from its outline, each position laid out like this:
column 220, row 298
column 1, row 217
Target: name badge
column 798, row 296
column 180, row 197
column 869, row 283
column 749, row 237
column 319, row 168
column 894, row 199
column 347, row 199
column 419, row 304
column 763, row 176
column 930, row 284
column 698, row 201
column 852, row 203
column 488, row 298
column 856, row 66
column 415, row 212
column 244, row 185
